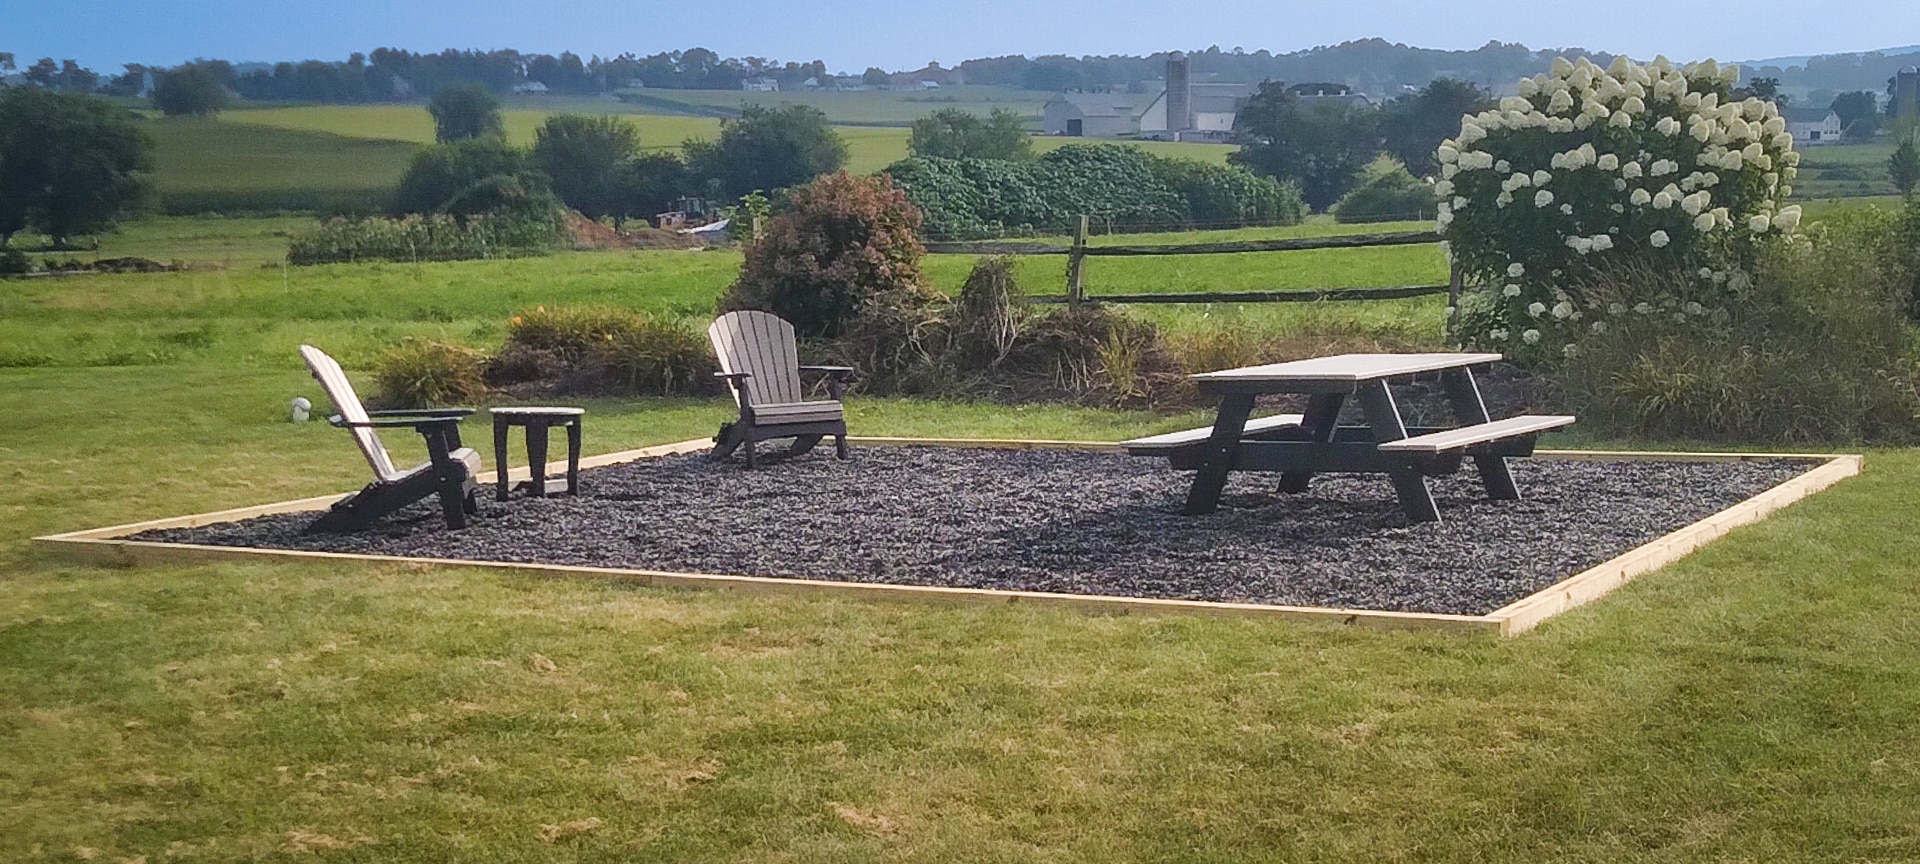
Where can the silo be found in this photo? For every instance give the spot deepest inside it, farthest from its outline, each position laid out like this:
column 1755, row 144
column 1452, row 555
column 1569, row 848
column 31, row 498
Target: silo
column 1906, row 93
column 1179, row 94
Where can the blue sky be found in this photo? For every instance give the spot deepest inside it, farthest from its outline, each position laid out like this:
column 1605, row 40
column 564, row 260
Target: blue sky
column 898, row 34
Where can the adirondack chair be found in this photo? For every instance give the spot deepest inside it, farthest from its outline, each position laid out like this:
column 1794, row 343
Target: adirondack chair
column 760, row 361
column 449, row 471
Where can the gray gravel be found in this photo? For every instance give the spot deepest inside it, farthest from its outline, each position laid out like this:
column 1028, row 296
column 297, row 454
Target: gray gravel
column 1073, row 522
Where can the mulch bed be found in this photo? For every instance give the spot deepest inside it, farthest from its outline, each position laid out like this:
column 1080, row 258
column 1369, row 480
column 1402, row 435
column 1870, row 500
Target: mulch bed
column 1069, row 522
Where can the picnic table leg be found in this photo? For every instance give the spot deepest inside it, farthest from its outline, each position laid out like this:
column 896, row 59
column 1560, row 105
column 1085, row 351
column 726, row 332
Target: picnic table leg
column 499, row 457
column 1464, row 397
column 1221, row 447
column 1383, row 417
column 1319, row 422
column 573, row 457
column 537, row 458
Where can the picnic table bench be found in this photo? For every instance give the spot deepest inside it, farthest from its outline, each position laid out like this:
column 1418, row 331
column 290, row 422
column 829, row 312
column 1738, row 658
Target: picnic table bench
column 1299, row 446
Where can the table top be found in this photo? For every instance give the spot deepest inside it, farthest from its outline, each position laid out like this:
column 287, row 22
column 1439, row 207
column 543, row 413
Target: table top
column 1341, row 369
column 537, row 411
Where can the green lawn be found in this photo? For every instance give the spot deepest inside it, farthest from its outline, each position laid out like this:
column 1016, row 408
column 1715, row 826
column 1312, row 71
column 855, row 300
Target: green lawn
column 1752, row 703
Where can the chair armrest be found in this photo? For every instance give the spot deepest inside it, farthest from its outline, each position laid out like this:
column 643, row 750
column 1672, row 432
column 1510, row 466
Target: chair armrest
column 426, row 412
column 733, row 376
column 836, row 371
column 413, row 421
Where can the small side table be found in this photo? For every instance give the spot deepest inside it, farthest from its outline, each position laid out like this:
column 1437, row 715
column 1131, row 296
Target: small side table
column 536, row 421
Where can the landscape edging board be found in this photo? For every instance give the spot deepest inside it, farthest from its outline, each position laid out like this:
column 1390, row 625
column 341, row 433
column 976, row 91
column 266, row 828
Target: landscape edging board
column 109, row 546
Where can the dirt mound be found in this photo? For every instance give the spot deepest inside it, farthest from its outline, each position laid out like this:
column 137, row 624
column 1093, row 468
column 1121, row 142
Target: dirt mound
column 588, row 234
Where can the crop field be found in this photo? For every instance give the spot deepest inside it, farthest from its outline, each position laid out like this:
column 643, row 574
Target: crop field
column 1751, row 703
column 1844, row 170
column 217, row 166
column 866, row 107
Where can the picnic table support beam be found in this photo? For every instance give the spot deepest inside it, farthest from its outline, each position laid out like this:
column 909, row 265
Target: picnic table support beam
column 1383, row 416
column 1221, row 447
column 1321, row 421
column 1464, row 397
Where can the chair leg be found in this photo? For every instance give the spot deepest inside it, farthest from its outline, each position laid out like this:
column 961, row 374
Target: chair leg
column 840, row 446
column 453, row 503
column 804, row 443
column 749, row 445
column 731, row 434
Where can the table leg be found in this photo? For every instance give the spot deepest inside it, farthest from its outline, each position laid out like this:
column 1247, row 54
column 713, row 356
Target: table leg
column 573, row 457
column 499, row 457
column 1221, row 447
column 537, row 459
column 1383, row 417
column 1319, row 422
column 1464, row 397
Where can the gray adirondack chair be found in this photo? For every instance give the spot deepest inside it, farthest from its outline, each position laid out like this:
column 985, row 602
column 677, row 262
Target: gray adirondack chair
column 760, row 360
column 449, row 470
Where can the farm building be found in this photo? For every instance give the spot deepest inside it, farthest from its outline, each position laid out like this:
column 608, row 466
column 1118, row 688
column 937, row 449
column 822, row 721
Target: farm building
column 1906, row 94
column 1090, row 115
column 1211, row 109
column 1812, row 125
column 760, row 85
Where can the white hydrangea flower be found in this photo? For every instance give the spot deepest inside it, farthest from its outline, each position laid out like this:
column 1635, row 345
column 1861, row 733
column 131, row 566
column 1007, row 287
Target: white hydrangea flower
column 1569, row 350
column 1562, row 309
column 1667, row 126
column 1536, row 309
column 1502, row 166
column 1497, row 334
column 1460, row 202
column 1516, row 270
column 1561, row 101
column 1543, row 199
column 1619, row 185
column 1608, row 162
column 1788, row 218
column 1663, row 200
column 1704, row 222
column 1503, row 199
column 1599, row 327
column 1640, row 198
column 1602, row 242
column 1630, row 170
column 1471, row 132
column 1528, row 87
column 1643, row 308
column 1659, row 239
column 1542, row 178
column 1448, row 154
column 1694, row 308
column 1566, row 209
column 1759, row 223
column 1443, row 188
column 1531, row 337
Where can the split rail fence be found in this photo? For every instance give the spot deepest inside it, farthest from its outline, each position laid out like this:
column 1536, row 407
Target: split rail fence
column 1079, row 251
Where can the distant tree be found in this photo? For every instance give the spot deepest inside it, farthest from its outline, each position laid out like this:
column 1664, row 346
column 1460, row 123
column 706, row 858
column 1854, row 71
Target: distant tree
column 69, row 165
column 1389, row 193
column 1414, row 125
column 875, row 77
column 44, row 72
column 956, row 134
column 1320, row 146
column 767, row 149
column 1904, row 167
column 583, row 158
column 76, row 79
column 6, row 61
column 1856, row 105
column 192, row 90
column 650, row 183
column 463, row 112
column 461, row 176
column 1764, row 89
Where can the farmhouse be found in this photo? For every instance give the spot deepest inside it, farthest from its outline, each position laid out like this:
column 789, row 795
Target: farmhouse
column 1812, row 125
column 760, row 85
column 1090, row 115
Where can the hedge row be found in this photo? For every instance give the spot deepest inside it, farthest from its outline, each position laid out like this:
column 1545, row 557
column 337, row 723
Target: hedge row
column 1121, row 187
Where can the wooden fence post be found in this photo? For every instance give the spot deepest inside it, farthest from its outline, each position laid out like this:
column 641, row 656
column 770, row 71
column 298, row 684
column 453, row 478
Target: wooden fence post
column 1076, row 260
column 1456, row 281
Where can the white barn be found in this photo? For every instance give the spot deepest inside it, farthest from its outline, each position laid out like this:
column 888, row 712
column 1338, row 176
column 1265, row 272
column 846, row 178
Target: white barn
column 1812, row 125
column 1090, row 115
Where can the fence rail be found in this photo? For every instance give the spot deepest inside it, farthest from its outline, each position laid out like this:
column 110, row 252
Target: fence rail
column 1079, row 251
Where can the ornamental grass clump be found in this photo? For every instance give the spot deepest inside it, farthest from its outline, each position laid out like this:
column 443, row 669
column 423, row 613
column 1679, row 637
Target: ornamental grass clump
column 1589, row 165
column 426, row 374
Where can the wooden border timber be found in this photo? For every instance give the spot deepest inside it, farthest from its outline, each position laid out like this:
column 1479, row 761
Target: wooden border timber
column 108, row 546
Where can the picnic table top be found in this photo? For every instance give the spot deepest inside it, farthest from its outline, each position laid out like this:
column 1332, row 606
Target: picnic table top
column 1343, row 368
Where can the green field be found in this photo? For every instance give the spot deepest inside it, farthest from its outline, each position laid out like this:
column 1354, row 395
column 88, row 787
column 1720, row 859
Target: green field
column 1752, row 703
column 862, row 107
column 1845, row 171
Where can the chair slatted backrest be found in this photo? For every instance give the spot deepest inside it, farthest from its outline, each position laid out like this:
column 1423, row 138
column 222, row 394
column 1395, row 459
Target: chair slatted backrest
column 762, row 345
column 347, row 404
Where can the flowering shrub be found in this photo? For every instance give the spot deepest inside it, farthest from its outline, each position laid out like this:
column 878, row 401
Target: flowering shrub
column 1588, row 165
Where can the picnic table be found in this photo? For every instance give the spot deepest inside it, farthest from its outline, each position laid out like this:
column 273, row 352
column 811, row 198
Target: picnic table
column 1298, row 446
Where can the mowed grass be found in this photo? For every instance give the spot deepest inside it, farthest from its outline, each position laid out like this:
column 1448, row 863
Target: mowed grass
column 1752, row 703
column 255, row 309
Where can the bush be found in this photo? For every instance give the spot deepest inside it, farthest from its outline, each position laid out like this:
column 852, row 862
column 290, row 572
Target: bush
column 465, row 111
column 1097, row 354
column 988, row 315
column 604, row 351
column 1589, row 165
column 193, row 90
column 842, row 244
column 1223, row 196
column 429, row 238
column 420, row 374
column 455, row 177
column 1389, row 194
column 1814, row 349
column 13, row 262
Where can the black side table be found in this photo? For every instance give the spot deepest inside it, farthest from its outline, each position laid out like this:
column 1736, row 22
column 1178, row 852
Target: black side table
column 536, row 421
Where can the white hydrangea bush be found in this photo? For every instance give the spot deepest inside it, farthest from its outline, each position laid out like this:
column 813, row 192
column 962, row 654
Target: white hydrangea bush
column 1588, row 165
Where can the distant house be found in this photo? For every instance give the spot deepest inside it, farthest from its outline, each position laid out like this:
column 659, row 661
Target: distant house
column 760, row 85
column 1812, row 125
column 534, row 87
column 929, row 85
column 1090, row 115
column 812, row 83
